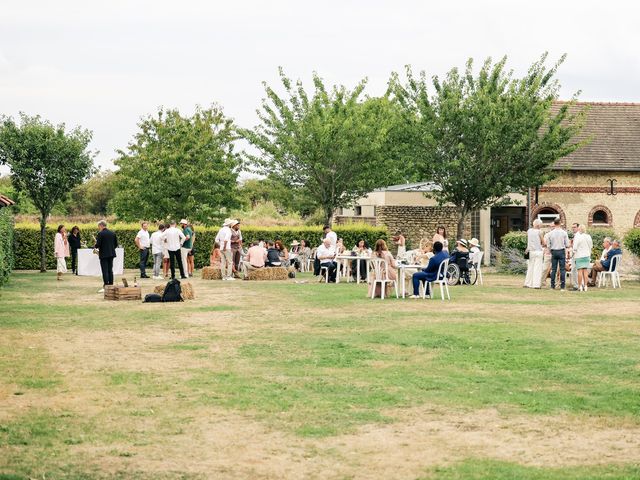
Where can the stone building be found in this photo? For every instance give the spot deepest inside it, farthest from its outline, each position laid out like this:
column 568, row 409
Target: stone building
column 598, row 185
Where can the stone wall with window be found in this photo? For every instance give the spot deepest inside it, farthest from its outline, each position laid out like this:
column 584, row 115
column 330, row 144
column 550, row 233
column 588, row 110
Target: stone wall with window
column 587, row 197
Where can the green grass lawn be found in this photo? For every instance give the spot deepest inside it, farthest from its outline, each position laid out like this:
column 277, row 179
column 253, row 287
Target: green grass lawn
column 286, row 380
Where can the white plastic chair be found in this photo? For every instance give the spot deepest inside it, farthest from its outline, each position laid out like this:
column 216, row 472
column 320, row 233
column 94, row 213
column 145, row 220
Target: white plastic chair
column 381, row 276
column 326, row 272
column 612, row 272
column 477, row 261
column 441, row 280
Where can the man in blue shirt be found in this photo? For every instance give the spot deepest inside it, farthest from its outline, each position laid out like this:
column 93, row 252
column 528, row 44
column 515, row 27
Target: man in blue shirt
column 603, row 266
column 430, row 273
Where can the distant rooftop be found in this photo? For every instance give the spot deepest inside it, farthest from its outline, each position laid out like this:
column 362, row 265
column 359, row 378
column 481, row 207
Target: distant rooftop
column 410, row 187
column 614, row 133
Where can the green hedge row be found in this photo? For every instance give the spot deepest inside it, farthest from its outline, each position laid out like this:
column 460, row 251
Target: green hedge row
column 518, row 240
column 632, row 241
column 6, row 244
column 27, row 240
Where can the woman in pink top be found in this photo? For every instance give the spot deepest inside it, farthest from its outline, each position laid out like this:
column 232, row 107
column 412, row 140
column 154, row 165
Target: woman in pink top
column 61, row 251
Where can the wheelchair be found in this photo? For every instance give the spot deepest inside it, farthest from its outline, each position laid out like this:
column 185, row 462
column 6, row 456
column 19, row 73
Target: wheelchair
column 455, row 274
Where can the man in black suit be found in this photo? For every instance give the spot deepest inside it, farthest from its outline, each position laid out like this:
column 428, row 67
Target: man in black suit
column 106, row 243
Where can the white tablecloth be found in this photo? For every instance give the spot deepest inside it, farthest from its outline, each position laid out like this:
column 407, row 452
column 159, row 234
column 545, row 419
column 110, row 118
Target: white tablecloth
column 89, row 263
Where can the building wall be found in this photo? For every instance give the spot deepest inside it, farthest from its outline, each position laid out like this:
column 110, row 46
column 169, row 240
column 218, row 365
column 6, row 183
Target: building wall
column 579, row 194
column 417, row 222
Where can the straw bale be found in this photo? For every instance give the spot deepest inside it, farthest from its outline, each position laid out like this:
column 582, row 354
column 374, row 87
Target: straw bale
column 211, row 273
column 269, row 273
column 187, row 291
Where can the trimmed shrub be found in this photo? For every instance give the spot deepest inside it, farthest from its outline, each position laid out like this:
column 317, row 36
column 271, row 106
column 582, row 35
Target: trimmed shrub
column 512, row 254
column 26, row 243
column 515, row 240
column 632, row 241
column 6, row 244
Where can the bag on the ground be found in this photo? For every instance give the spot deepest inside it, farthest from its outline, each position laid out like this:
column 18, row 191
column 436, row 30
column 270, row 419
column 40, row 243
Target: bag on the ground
column 152, row 297
column 172, row 291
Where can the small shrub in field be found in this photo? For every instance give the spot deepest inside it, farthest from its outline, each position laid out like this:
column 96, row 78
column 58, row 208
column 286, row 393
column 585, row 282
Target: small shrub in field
column 632, row 241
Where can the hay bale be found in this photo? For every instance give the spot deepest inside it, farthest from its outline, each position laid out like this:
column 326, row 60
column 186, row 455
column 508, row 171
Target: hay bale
column 269, row 273
column 211, row 273
column 186, row 288
column 187, row 291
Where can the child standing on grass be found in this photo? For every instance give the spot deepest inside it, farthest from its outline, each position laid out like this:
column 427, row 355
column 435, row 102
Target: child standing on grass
column 215, row 259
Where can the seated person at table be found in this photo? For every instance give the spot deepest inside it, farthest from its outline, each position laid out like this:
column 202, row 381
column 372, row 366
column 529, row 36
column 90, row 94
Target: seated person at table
column 360, row 250
column 326, row 254
column 460, row 256
column 430, row 273
column 215, row 258
column 603, row 265
column 424, row 255
column 340, row 248
column 273, row 255
column 382, row 251
column 255, row 258
column 283, row 253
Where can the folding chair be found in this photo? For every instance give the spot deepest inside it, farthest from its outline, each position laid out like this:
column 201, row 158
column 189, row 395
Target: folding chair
column 381, row 276
column 441, row 280
column 612, row 272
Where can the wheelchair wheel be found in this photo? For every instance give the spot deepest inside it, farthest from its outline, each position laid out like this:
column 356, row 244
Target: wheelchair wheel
column 473, row 275
column 453, row 274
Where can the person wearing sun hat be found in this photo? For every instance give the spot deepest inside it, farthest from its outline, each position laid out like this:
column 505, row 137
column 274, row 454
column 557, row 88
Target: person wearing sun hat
column 474, row 245
column 224, row 240
column 460, row 256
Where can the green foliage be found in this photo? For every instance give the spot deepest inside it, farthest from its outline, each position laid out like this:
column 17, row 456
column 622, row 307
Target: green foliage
column 332, row 144
column 598, row 235
column 632, row 241
column 93, row 196
column 515, row 240
column 26, row 239
column 481, row 137
column 178, row 167
column 6, row 244
column 46, row 163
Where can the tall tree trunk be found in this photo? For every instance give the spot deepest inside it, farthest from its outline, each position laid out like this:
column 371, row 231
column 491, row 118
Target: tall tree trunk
column 43, row 241
column 461, row 219
column 328, row 216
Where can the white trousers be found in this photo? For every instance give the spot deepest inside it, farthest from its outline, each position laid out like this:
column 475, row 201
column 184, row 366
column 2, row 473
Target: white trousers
column 61, row 264
column 534, row 270
column 184, row 253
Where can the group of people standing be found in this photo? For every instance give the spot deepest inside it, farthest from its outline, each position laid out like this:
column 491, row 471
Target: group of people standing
column 549, row 252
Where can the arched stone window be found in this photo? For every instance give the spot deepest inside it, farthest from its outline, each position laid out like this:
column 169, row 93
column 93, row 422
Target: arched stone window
column 600, row 216
column 547, row 212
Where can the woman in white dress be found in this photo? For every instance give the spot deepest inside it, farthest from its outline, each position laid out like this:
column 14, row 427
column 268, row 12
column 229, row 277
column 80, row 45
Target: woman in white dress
column 582, row 246
column 441, row 236
column 535, row 243
column 61, row 250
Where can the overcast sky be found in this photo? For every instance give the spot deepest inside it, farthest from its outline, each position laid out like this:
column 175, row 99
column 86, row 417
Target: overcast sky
column 103, row 65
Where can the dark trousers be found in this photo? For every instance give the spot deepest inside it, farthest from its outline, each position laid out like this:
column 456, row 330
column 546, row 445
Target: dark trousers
column 237, row 256
column 316, row 267
column 106, row 265
column 558, row 258
column 176, row 256
column 74, row 260
column 363, row 269
column 144, row 256
column 333, row 266
column 416, row 279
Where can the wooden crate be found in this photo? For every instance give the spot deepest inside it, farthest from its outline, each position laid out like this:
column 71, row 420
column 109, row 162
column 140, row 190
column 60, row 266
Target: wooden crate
column 117, row 292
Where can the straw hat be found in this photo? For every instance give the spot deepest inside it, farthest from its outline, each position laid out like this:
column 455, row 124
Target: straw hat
column 233, row 222
column 227, row 222
column 295, row 243
column 462, row 242
column 184, row 222
column 474, row 242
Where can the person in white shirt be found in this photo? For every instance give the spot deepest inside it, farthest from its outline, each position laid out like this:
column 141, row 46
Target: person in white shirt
column 224, row 240
column 534, row 248
column 326, row 254
column 157, row 247
column 582, row 246
column 143, row 242
column 606, row 245
column 574, row 270
column 331, row 235
column 174, row 239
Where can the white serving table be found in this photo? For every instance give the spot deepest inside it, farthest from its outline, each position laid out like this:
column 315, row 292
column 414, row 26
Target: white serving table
column 402, row 268
column 89, row 263
column 346, row 260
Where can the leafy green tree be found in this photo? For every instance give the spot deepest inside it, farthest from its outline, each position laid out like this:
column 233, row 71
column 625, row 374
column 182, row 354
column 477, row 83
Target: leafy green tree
column 46, row 162
column 480, row 138
column 178, row 166
column 333, row 143
column 93, row 196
